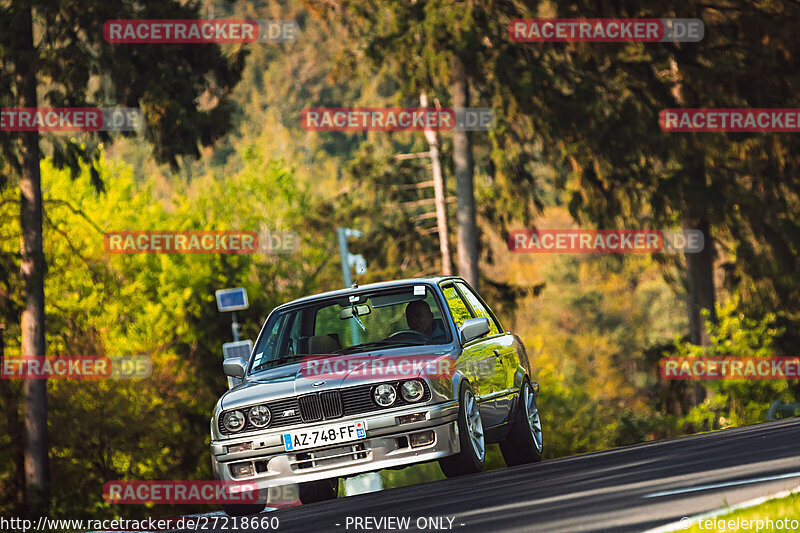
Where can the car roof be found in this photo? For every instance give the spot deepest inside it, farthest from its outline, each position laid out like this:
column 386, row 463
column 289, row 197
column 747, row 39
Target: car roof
column 428, row 280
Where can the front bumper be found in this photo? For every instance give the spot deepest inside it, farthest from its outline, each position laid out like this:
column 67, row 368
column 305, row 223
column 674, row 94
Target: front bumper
column 387, row 445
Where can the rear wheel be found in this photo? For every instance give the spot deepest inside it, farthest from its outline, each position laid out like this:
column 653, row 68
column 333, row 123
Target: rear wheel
column 524, row 443
column 471, row 458
column 318, row 491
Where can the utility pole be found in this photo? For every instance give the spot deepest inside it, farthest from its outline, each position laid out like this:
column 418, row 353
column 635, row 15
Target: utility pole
column 348, row 262
column 464, row 167
column 371, row 481
column 234, row 327
column 438, row 192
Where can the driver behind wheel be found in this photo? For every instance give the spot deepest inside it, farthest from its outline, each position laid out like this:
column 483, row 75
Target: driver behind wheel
column 420, row 318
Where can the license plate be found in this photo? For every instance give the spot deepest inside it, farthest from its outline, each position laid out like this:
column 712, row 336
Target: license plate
column 324, row 435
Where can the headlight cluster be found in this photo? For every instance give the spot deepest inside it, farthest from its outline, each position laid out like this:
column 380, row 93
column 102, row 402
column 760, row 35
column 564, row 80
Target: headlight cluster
column 385, row 394
column 258, row 416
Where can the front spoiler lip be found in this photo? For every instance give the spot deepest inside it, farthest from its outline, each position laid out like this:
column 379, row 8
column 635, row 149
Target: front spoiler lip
column 379, row 423
column 382, row 453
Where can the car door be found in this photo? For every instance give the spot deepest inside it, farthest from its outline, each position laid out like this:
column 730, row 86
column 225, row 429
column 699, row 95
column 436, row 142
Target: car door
column 477, row 358
column 503, row 379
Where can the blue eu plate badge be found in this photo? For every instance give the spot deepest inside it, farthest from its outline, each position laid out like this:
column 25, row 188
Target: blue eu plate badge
column 287, row 441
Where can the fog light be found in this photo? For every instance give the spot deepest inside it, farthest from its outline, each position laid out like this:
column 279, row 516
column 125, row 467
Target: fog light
column 242, row 469
column 243, row 447
column 421, row 439
column 407, row 419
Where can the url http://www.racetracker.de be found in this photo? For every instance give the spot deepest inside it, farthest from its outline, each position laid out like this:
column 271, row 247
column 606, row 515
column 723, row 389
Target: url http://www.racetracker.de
column 192, row 523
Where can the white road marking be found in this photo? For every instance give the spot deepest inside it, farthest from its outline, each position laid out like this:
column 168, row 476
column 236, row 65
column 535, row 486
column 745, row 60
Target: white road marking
column 688, row 521
column 720, row 485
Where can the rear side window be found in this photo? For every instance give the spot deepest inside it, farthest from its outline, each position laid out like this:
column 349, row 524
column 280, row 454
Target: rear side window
column 458, row 308
column 479, row 309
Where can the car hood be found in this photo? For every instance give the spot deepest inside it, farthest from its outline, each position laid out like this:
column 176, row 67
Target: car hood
column 321, row 373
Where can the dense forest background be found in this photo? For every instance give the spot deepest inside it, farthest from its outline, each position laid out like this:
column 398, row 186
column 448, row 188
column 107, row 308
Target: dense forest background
column 577, row 144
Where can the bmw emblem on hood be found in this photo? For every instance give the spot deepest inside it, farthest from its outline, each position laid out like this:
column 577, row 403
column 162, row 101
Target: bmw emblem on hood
column 318, row 384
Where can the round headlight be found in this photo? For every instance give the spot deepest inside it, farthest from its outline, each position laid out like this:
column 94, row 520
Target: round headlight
column 233, row 421
column 259, row 416
column 413, row 390
column 384, row 395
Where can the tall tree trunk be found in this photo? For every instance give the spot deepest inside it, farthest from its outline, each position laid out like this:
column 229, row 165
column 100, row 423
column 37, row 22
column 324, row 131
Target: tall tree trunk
column 700, row 265
column 32, row 269
column 700, row 283
column 700, row 292
column 439, row 195
column 465, row 190
column 10, row 398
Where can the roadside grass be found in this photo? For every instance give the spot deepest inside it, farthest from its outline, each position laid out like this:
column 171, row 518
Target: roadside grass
column 779, row 511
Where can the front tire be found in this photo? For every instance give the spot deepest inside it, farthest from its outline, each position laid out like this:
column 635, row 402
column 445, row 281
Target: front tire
column 524, row 443
column 243, row 509
column 318, row 491
column 471, row 458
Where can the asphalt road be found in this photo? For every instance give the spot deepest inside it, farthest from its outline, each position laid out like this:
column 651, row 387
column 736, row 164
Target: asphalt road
column 634, row 488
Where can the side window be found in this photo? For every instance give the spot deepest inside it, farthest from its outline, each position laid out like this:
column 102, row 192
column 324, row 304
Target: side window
column 458, row 308
column 479, row 308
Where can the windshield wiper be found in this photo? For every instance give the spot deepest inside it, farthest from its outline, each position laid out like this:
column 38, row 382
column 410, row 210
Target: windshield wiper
column 383, row 343
column 282, row 359
column 403, row 343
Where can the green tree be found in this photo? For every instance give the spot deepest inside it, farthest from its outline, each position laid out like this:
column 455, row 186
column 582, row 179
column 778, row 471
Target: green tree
column 725, row 185
column 58, row 48
column 429, row 48
column 161, row 306
column 736, row 402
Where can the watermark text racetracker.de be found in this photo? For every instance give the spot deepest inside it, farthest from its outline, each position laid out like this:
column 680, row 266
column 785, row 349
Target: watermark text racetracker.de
column 605, row 241
column 396, row 119
column 75, row 367
column 180, row 492
column 201, row 242
column 729, row 368
column 368, row 367
column 606, row 30
column 70, row 119
column 174, row 31
column 733, row 120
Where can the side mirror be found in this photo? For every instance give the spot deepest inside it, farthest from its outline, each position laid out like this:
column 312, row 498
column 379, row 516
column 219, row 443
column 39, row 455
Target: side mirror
column 234, row 367
column 473, row 328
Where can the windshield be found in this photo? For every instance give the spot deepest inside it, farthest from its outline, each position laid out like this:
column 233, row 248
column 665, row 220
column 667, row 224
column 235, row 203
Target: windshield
column 380, row 319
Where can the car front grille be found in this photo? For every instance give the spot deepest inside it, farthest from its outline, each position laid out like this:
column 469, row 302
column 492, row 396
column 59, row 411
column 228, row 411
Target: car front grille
column 324, row 406
column 331, row 403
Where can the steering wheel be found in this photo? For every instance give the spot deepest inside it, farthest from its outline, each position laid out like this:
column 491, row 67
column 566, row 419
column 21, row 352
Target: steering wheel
column 421, row 336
